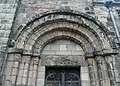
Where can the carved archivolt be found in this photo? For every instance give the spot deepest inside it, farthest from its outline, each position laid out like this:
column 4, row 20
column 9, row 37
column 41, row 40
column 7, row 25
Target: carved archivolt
column 77, row 26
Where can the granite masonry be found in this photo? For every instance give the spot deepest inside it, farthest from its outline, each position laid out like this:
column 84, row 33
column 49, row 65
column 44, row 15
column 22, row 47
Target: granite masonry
column 58, row 43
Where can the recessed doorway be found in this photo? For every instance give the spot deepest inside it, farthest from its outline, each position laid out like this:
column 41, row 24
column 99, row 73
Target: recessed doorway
column 57, row 76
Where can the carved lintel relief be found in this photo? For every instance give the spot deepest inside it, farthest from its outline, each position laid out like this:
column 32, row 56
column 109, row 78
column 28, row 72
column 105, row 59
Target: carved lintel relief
column 26, row 59
column 62, row 60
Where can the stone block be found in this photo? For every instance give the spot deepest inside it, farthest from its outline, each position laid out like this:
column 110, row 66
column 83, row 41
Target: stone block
column 10, row 57
column 85, row 83
column 2, row 32
column 13, row 79
column 26, row 66
column 34, row 74
column 78, row 47
column 15, row 71
column 3, row 47
column 5, row 26
column 7, row 6
column 40, row 82
column 77, row 52
column 6, row 35
column 41, row 75
column 19, row 81
column 4, row 42
column 7, row 83
column 7, row 78
column 9, row 64
column 64, row 52
column 84, row 69
column 31, row 67
column 7, row 11
column 47, row 52
column 20, row 73
column 55, row 47
column 8, row 71
column 24, row 81
column 16, row 64
column 21, row 66
column 29, row 81
column 84, row 76
column 41, row 68
column 35, row 67
column 71, row 47
column 25, row 73
column 47, row 47
column 30, row 74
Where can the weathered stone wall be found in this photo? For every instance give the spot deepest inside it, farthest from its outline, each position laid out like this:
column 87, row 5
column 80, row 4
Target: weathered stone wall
column 29, row 8
column 102, row 13
column 62, row 47
column 15, row 19
column 7, row 14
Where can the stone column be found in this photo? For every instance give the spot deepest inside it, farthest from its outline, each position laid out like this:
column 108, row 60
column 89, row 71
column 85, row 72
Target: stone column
column 93, row 72
column 26, row 60
column 23, row 71
column 33, row 71
column 112, row 70
column 40, row 75
column 85, row 80
column 102, row 71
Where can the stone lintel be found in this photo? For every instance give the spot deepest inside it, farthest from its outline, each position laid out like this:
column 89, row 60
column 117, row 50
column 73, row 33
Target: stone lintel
column 15, row 51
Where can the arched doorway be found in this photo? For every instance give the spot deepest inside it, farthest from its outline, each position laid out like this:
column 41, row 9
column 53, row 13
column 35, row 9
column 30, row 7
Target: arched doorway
column 62, row 58
column 62, row 39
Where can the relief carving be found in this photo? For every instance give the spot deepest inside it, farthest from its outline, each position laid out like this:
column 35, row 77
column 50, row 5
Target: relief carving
column 26, row 59
column 17, row 57
column 36, row 60
column 62, row 60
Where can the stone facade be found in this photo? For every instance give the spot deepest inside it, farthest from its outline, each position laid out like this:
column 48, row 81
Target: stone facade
column 36, row 35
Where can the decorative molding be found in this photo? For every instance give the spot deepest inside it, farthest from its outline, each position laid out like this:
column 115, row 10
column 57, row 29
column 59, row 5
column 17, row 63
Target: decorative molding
column 62, row 12
column 15, row 50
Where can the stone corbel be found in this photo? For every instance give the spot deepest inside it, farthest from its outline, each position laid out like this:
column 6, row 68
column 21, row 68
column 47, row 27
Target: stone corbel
column 107, row 52
column 103, row 52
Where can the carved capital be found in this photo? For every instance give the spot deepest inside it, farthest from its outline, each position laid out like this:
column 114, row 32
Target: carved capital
column 36, row 60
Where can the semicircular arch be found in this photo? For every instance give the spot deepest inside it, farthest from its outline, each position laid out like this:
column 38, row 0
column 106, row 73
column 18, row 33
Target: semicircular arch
column 74, row 18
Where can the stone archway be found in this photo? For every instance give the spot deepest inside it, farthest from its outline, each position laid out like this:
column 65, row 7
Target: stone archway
column 82, row 30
